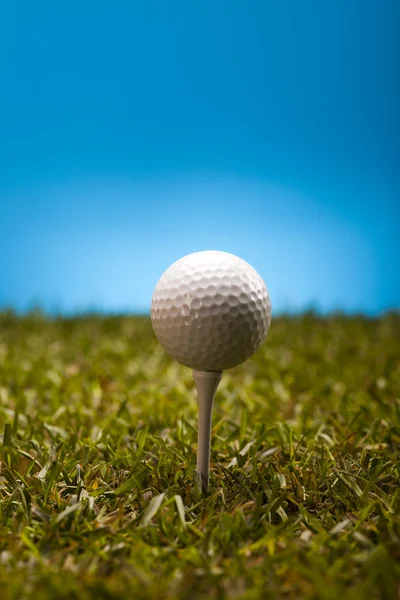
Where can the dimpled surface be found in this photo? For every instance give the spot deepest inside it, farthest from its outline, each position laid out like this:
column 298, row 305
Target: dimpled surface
column 211, row 310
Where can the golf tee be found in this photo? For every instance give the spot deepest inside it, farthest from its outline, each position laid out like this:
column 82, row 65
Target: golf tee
column 206, row 384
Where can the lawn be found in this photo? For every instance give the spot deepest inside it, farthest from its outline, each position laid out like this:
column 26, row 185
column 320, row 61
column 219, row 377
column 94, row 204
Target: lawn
column 97, row 449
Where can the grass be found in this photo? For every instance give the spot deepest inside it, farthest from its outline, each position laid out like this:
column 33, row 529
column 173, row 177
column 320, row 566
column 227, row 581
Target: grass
column 98, row 452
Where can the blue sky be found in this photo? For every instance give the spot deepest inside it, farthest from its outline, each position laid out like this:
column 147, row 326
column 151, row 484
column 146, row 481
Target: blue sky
column 132, row 133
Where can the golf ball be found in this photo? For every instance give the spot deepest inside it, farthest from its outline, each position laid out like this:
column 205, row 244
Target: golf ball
column 211, row 310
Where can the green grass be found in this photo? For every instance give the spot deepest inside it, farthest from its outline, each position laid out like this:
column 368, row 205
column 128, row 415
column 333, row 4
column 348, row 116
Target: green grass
column 98, row 450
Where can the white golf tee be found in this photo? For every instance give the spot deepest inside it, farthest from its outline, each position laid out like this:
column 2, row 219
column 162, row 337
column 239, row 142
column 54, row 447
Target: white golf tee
column 206, row 384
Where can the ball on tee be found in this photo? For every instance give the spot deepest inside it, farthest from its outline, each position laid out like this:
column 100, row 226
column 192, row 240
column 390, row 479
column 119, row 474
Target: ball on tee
column 211, row 310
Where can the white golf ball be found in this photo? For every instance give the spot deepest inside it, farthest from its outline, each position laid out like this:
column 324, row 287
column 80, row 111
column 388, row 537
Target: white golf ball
column 211, row 310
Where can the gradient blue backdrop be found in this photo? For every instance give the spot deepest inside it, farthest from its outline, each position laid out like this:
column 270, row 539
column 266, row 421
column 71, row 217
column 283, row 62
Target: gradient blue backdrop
column 132, row 133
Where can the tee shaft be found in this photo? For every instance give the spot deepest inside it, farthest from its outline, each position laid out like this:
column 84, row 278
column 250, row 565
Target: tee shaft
column 206, row 384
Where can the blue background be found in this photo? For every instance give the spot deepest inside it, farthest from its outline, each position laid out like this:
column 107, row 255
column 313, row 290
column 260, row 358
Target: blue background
column 132, row 133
